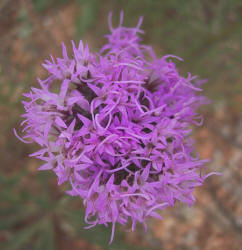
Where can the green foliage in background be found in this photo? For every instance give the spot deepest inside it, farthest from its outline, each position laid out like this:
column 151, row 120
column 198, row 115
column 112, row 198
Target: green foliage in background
column 36, row 217
column 42, row 5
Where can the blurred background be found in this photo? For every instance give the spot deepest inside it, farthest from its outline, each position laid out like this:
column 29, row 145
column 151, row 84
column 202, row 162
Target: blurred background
column 37, row 214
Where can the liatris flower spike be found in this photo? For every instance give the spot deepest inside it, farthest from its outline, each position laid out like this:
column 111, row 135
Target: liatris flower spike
column 116, row 125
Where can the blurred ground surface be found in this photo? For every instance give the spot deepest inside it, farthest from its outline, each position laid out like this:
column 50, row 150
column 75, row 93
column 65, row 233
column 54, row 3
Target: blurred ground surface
column 34, row 212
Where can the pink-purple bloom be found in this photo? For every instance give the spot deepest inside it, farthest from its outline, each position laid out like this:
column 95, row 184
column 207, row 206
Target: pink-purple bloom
column 116, row 125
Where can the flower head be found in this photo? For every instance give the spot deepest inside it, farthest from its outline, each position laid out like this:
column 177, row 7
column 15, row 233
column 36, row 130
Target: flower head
column 116, row 126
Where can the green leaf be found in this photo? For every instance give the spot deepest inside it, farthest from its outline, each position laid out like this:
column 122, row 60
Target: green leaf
column 20, row 238
column 14, row 218
column 87, row 17
column 40, row 5
column 99, row 235
column 46, row 239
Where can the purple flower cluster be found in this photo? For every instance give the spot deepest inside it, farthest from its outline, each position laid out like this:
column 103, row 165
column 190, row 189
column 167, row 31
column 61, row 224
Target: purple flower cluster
column 116, row 126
